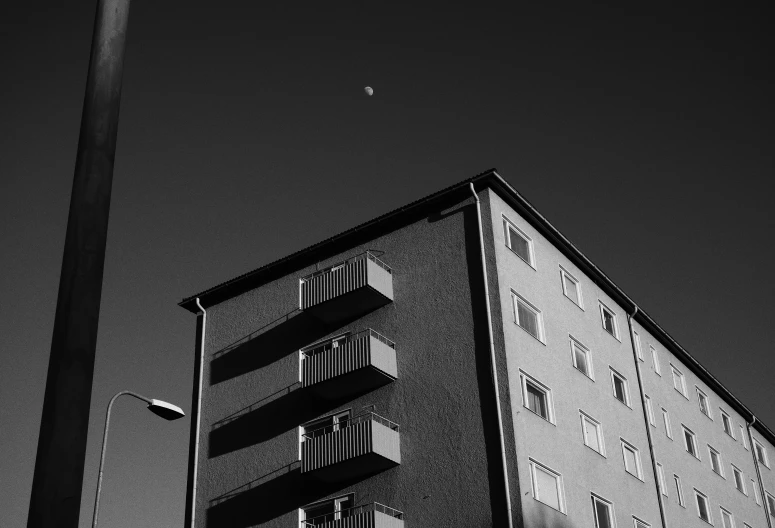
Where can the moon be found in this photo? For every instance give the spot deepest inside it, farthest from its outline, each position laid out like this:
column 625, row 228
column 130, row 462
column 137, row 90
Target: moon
column 369, row 91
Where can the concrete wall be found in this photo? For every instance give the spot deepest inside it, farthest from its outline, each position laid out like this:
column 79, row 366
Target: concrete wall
column 252, row 406
column 559, row 445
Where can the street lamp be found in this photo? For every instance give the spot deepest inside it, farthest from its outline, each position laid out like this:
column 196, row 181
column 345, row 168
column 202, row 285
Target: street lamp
column 158, row 407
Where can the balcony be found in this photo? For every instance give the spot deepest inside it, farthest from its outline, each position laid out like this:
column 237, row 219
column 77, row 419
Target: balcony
column 344, row 450
column 349, row 365
column 347, row 290
column 374, row 515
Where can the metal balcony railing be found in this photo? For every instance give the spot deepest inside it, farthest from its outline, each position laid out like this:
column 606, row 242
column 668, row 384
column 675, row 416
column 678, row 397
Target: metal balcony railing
column 330, row 428
column 352, row 512
column 334, row 267
column 336, row 342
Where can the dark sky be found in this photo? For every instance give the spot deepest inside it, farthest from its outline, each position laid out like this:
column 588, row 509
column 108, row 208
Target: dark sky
column 644, row 135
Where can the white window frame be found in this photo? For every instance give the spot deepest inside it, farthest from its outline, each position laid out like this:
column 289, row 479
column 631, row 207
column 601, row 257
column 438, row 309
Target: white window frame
column 524, row 379
column 726, row 420
column 598, row 427
column 713, row 451
column 576, row 343
column 697, row 495
column 603, row 309
column 626, row 446
column 756, row 497
column 695, row 447
column 743, row 436
column 731, row 518
column 536, row 465
column 666, row 423
column 655, row 360
column 679, row 490
column 661, row 479
column 640, row 523
column 769, row 503
column 516, row 298
column 565, row 274
column 649, row 410
column 701, row 396
column 679, row 376
column 737, row 472
column 765, row 459
column 524, row 236
column 615, row 374
column 609, row 506
column 636, row 341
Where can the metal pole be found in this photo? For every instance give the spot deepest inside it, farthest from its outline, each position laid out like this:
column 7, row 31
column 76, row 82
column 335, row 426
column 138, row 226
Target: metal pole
column 102, row 454
column 56, row 487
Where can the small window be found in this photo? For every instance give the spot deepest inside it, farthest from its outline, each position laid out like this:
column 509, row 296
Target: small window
column 761, row 453
column 636, row 343
column 609, row 321
column 715, row 461
column 571, row 287
column 620, row 387
column 770, row 504
column 726, row 518
column 702, row 399
column 666, row 421
column 679, row 492
column 528, row 317
column 581, row 358
column 327, row 511
column 640, row 524
column 726, row 423
column 679, row 383
column 649, row 410
column 661, row 479
column 756, row 498
column 744, row 437
column 537, row 398
column 631, row 459
column 547, row 486
column 703, row 511
column 603, row 511
column 739, row 480
column 690, row 441
column 518, row 242
column 592, row 433
column 655, row 360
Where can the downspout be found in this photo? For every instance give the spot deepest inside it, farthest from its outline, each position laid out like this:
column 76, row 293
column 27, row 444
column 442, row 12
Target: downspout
column 646, row 418
column 493, row 363
column 198, row 419
column 762, row 491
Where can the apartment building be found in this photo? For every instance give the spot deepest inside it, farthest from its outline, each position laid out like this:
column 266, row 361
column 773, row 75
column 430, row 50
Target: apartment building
column 458, row 362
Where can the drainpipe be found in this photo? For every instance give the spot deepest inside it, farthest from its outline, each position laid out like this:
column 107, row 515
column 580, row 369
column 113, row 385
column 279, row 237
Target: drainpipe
column 646, row 418
column 493, row 364
column 198, row 408
column 758, row 471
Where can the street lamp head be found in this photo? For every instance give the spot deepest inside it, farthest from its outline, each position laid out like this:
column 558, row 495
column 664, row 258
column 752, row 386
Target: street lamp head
column 166, row 410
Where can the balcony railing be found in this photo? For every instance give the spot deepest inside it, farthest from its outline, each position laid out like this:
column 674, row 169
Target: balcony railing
column 349, row 364
column 374, row 515
column 363, row 445
column 348, row 289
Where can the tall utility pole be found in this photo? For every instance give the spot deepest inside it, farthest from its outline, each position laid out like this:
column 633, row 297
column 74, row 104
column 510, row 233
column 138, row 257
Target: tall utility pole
column 56, row 485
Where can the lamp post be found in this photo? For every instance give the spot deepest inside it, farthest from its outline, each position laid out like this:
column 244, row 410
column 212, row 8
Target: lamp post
column 158, row 407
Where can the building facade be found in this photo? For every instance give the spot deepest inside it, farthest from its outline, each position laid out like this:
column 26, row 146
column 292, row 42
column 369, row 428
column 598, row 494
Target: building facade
column 458, row 362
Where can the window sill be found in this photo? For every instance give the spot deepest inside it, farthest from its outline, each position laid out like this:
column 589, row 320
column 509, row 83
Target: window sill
column 698, row 459
column 531, row 335
column 590, row 378
column 549, row 506
column 538, row 415
column 719, row 474
column 635, row 476
column 707, row 522
column 681, row 393
column 730, row 436
column 612, row 335
column 623, row 403
column 526, row 262
column 574, row 302
column 594, row 451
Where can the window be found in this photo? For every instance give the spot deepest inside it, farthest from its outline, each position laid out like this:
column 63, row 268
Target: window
column 640, row 524
column 603, row 511
column 536, row 397
column 702, row 398
column 620, row 387
column 690, row 441
column 327, row 511
column 592, row 433
column 679, row 383
column 655, row 360
column 326, row 425
column 770, row 504
column 527, row 316
column 702, row 506
column 631, row 459
column 518, row 242
column 761, row 453
column 666, row 421
column 661, row 479
column 715, row 461
column 727, row 423
column 756, row 497
column 609, row 321
column 679, row 492
column 726, row 518
column 744, row 438
column 739, row 481
column 649, row 410
column 581, row 358
column 636, row 343
column 547, row 486
column 570, row 287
